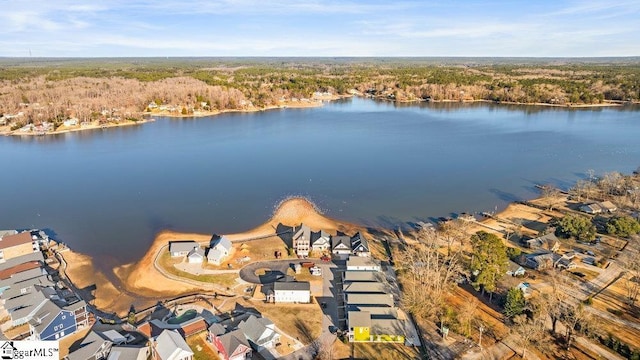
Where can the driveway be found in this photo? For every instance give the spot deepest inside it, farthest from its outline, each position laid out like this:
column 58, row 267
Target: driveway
column 278, row 270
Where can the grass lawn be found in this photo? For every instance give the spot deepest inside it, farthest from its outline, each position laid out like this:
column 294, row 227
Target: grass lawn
column 201, row 350
column 302, row 321
column 383, row 351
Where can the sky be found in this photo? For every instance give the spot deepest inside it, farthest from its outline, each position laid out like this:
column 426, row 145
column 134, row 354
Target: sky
column 133, row 28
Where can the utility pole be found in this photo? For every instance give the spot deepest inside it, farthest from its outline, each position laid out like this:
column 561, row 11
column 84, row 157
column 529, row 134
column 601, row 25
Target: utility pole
column 481, row 328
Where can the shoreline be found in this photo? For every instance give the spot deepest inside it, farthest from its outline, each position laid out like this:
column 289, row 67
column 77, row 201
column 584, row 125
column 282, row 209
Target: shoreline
column 148, row 117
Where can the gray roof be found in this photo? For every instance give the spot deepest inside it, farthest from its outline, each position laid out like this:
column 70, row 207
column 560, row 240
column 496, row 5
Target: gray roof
column 76, row 305
column 364, row 287
column 232, row 340
column 127, row 352
column 89, row 346
column 15, row 279
column 320, row 237
column 198, row 251
column 361, row 261
column 291, row 286
column 377, row 312
column 28, row 286
column 388, row 327
column 359, row 243
column 303, row 232
column 362, row 276
column 217, row 329
column 254, row 327
column 369, row 299
column 342, row 239
column 34, row 256
column 170, row 345
column 182, row 246
column 359, row 319
column 43, row 317
column 221, row 242
column 25, row 304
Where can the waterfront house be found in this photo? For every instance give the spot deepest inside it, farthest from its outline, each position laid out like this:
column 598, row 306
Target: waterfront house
column 231, row 345
column 93, row 346
column 360, row 245
column 341, row 246
column 320, row 241
column 12, row 246
column 607, row 206
column 196, row 255
column 302, row 240
column 260, row 332
column 219, row 250
column 292, row 292
column 70, row 122
column 181, row 248
column 358, row 263
column 53, row 322
column 169, row 345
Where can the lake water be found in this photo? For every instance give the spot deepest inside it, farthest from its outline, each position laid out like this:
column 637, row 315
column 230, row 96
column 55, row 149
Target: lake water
column 107, row 192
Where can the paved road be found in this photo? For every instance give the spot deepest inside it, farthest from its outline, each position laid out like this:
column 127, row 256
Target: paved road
column 278, row 270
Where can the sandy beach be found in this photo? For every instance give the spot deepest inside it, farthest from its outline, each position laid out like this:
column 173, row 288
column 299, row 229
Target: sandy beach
column 63, row 130
column 141, row 284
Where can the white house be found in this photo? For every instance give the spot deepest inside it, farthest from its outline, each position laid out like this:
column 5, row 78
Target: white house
column 170, row 345
column 181, row 248
column 219, row 250
column 320, row 241
column 360, row 245
column 292, row 292
column 196, row 255
column 302, row 240
column 360, row 263
column 260, row 332
column 341, row 246
column 70, row 122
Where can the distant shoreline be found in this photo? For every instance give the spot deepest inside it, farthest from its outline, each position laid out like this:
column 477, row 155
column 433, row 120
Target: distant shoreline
column 148, row 116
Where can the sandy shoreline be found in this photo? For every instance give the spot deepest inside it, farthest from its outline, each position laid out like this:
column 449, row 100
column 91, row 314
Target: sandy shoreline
column 141, row 284
column 77, row 128
column 566, row 106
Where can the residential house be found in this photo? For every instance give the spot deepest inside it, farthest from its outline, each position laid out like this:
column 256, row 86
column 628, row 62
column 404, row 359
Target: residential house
column 360, row 245
column 548, row 242
column 292, row 292
column 70, row 122
column 320, row 241
column 591, row 208
column 129, row 353
column 260, row 332
column 341, row 246
column 302, row 240
column 362, row 328
column 231, row 345
column 94, row 346
column 196, row 255
column 53, row 322
column 364, row 288
column 219, row 250
column 181, row 248
column 515, row 269
column 170, row 345
column 376, row 300
column 541, row 261
column 358, row 263
column 361, row 276
column 607, row 206
column 12, row 246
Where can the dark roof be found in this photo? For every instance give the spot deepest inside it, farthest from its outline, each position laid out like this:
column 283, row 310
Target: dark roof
column 291, row 286
column 341, row 239
column 232, row 340
column 359, row 243
column 15, row 240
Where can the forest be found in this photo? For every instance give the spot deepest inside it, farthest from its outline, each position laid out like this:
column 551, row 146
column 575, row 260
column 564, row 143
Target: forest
column 90, row 89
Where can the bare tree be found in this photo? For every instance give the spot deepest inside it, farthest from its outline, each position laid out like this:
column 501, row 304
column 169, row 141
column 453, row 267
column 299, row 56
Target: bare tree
column 574, row 317
column 631, row 263
column 428, row 275
column 527, row 331
column 467, row 314
column 551, row 195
